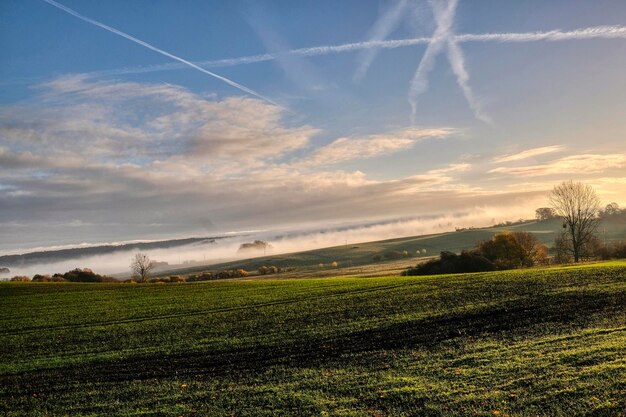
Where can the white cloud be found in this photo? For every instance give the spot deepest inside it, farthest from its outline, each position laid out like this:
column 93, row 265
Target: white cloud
column 574, row 164
column 139, row 155
column 139, row 124
column 350, row 148
column 529, row 153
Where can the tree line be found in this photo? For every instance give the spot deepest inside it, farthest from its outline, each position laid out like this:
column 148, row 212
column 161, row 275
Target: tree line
column 578, row 208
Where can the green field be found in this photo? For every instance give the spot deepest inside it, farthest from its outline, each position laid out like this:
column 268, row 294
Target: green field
column 544, row 342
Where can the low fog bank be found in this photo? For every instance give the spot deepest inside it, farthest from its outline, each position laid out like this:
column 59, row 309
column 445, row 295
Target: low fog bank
column 286, row 241
column 297, row 241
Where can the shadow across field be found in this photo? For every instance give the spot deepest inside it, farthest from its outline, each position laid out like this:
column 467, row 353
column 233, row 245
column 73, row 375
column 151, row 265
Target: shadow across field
column 536, row 315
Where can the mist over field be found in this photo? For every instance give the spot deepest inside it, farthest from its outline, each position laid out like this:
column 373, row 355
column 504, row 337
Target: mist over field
column 281, row 241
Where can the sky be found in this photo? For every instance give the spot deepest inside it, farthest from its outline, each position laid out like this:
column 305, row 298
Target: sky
column 155, row 119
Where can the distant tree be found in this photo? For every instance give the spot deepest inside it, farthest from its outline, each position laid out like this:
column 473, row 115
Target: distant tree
column 81, row 275
column 502, row 249
column 545, row 213
column 20, row 278
column 257, row 245
column 141, row 265
column 531, row 250
column 611, row 209
column 578, row 205
column 513, row 250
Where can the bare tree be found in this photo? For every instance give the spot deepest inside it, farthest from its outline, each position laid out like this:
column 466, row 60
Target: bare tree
column 141, row 265
column 578, row 205
column 544, row 213
column 611, row 210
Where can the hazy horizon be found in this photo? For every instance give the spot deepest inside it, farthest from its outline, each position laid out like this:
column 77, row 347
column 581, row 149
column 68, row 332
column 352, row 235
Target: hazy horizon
column 281, row 241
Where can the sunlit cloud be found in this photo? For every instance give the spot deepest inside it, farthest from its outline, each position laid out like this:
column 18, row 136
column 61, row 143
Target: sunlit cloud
column 574, row 164
column 529, row 153
column 346, row 148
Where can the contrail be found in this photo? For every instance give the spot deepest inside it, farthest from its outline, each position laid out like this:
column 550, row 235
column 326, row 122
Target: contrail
column 605, row 32
column 419, row 83
column 381, row 29
column 253, row 59
column 457, row 63
column 160, row 51
column 598, row 32
column 443, row 37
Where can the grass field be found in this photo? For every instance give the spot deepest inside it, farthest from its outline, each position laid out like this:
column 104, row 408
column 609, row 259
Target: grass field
column 545, row 342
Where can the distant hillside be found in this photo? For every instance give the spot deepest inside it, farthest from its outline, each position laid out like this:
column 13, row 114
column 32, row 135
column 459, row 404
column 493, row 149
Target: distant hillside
column 392, row 250
column 43, row 257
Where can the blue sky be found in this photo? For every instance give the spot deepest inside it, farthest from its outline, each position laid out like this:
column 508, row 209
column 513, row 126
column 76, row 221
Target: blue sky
column 491, row 105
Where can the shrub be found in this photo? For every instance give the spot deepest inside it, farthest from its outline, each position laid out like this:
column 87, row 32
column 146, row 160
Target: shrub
column 264, row 270
column 231, row 273
column 513, row 250
column 85, row 275
column 176, row 278
column 377, row 258
column 614, row 250
column 20, row 278
column 393, row 254
column 451, row 263
column 205, row 276
column 57, row 278
column 618, row 249
column 42, row 278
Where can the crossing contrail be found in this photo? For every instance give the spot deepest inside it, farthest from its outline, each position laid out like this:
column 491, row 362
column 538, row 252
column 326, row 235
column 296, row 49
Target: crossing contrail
column 444, row 37
column 596, row 32
column 381, row 29
column 457, row 63
column 160, row 51
column 419, row 83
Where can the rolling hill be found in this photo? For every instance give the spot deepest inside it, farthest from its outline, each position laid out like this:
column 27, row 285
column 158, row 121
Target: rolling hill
column 359, row 258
